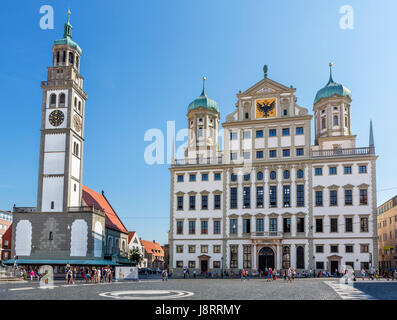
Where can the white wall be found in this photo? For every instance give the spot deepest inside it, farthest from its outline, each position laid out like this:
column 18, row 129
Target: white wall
column 52, row 191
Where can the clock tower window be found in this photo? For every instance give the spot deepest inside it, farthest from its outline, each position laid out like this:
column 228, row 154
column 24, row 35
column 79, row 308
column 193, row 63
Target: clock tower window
column 62, row 100
column 53, row 100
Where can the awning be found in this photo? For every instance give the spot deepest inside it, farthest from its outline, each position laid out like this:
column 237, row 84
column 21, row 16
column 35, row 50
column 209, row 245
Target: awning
column 64, row 262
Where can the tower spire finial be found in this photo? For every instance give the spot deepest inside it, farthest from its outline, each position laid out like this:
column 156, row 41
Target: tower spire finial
column 371, row 135
column 330, row 72
column 69, row 15
column 204, row 78
column 265, row 70
column 67, row 33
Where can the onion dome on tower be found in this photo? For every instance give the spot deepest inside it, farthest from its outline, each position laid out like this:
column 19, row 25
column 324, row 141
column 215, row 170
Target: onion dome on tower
column 203, row 101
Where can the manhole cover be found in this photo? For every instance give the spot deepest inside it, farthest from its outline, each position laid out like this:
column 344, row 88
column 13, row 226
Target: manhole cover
column 147, row 294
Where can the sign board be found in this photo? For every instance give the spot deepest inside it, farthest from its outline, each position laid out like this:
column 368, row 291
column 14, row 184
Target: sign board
column 126, row 273
column 46, row 277
column 388, row 248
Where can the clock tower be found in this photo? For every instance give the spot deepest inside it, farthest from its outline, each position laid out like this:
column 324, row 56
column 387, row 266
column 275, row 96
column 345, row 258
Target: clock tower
column 62, row 129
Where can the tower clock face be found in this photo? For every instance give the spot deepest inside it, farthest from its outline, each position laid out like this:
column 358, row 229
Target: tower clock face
column 76, row 123
column 56, row 118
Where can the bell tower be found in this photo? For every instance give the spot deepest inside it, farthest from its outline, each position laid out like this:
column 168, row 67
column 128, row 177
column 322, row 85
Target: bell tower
column 62, row 128
column 203, row 124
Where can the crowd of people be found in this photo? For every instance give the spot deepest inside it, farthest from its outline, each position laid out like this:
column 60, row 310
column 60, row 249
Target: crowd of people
column 88, row 274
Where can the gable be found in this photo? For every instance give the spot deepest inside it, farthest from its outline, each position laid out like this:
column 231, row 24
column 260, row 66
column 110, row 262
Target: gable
column 266, row 86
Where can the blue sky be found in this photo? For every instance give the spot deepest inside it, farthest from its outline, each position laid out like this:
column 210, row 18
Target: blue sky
column 143, row 62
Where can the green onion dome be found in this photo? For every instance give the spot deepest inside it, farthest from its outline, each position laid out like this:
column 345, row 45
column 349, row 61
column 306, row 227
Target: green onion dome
column 332, row 88
column 203, row 101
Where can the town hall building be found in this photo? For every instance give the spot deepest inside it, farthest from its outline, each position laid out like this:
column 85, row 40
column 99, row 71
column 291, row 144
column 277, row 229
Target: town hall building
column 271, row 199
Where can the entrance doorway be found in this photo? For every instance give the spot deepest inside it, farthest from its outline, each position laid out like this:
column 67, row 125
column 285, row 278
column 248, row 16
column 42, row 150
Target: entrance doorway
column 204, row 265
column 334, row 266
column 266, row 258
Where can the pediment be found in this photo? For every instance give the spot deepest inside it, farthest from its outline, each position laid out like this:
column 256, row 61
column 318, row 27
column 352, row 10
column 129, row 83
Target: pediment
column 266, row 86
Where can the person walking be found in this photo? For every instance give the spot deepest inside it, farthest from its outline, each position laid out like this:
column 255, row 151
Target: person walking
column 289, row 275
column 242, row 274
column 293, row 274
column 194, row 274
column 362, row 273
column 184, row 273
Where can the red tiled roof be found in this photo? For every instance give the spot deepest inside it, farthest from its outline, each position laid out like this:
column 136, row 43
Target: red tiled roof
column 112, row 221
column 130, row 235
column 150, row 246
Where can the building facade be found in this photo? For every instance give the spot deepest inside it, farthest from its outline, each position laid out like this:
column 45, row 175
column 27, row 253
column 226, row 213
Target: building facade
column 5, row 223
column 71, row 223
column 154, row 254
column 387, row 235
column 270, row 199
column 134, row 242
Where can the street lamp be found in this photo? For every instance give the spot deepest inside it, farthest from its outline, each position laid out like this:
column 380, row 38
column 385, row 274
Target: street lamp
column 314, row 265
column 222, row 266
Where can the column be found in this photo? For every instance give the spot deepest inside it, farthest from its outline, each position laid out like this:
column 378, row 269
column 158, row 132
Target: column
column 254, row 254
column 279, row 257
column 266, row 188
column 279, row 188
column 293, row 225
column 293, row 256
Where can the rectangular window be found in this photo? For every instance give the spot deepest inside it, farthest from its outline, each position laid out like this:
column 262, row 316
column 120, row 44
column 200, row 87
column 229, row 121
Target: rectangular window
column 287, row 225
column 204, row 248
column 247, row 135
column 247, row 256
column 179, row 249
column 180, row 202
column 192, row 249
column 348, row 197
column 234, row 256
column 347, row 170
column 364, row 224
column 259, row 225
column 319, row 225
column 217, row 227
column 246, row 197
column 319, row 249
column 362, row 169
column 259, row 154
column 179, row 227
column 333, row 198
column 246, row 226
column 217, row 249
column 179, row 264
column 273, row 224
column 364, row 248
column 318, row 171
column 334, row 224
column 349, row 248
column 233, row 226
column 285, row 132
column 334, row 248
column 286, row 196
column 300, row 195
column 233, row 156
column 192, row 227
column 204, row 202
column 348, row 224
column 233, row 198
column 204, row 177
column 299, row 152
column 272, row 153
column 273, row 196
column 216, row 264
column 259, row 133
column 332, row 171
column 246, row 155
column 319, row 265
column 180, row 177
column 272, row 133
column 299, row 131
column 363, row 197
column 300, row 224
column 192, row 202
column 204, row 227
column 192, row 264
column 233, row 135
column 259, row 197
column 286, row 153
column 192, row 178
column 217, row 176
column 217, row 201
column 319, row 198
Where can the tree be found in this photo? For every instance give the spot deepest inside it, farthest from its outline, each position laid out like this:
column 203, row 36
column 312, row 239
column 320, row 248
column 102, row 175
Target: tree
column 135, row 255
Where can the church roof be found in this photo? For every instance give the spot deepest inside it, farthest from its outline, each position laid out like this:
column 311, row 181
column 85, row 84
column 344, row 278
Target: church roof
column 332, row 88
column 99, row 201
column 203, row 101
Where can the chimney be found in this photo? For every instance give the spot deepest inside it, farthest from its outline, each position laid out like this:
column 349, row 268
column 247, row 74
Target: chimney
column 103, row 192
column 154, row 241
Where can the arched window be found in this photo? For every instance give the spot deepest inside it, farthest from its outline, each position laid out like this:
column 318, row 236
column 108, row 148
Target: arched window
column 286, row 257
column 75, row 102
column 79, row 106
column 336, row 121
column 299, row 173
column 77, row 62
column 286, row 174
column 259, row 176
column 323, row 123
column 57, row 57
column 71, row 58
column 300, row 257
column 64, row 56
column 62, row 99
column 273, row 175
column 53, row 100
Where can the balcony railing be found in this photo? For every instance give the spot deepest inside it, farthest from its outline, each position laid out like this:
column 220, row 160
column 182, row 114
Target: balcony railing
column 70, row 209
column 198, row 161
column 24, row 209
column 339, row 152
column 269, row 234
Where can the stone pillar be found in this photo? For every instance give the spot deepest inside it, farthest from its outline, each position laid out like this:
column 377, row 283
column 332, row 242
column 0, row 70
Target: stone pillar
column 293, row 225
column 254, row 254
column 293, row 256
column 279, row 257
